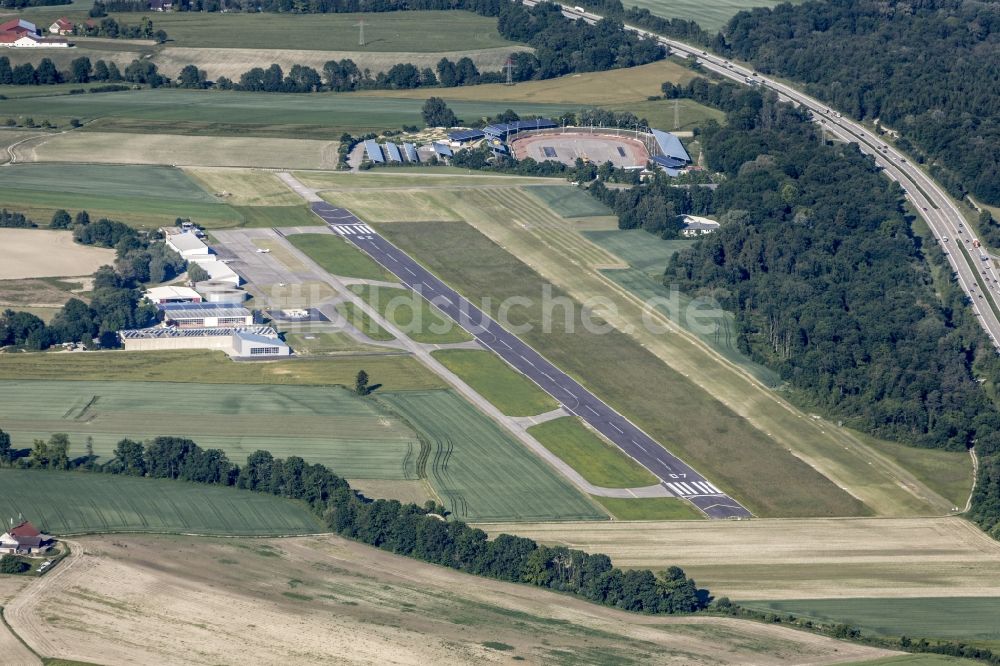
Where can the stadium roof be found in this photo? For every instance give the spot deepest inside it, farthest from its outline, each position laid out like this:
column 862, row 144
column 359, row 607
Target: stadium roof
column 502, row 129
column 374, row 152
column 669, row 162
column 442, row 149
column 466, row 135
column 670, row 146
column 392, row 152
column 411, row 152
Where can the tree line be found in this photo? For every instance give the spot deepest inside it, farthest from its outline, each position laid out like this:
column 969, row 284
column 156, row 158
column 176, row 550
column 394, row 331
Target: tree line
column 404, row 529
column 927, row 70
column 116, row 299
column 81, row 70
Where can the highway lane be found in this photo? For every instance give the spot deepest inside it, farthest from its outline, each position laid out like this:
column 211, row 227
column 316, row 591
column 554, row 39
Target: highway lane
column 674, row 474
column 937, row 208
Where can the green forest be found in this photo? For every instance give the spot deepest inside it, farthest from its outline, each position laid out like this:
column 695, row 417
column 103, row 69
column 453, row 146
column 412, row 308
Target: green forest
column 930, row 70
column 830, row 285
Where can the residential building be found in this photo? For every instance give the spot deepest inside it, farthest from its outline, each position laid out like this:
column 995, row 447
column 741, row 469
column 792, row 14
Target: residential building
column 697, row 226
column 24, row 539
column 62, row 26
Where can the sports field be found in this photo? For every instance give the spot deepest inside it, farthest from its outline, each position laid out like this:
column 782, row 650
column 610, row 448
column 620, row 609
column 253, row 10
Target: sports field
column 597, row 461
column 412, row 314
column 75, row 502
column 413, row 31
column 508, row 390
column 173, row 150
column 479, row 471
column 678, row 413
column 395, row 373
column 213, row 112
column 34, row 253
column 968, row 619
column 711, row 15
column 331, row 425
column 139, row 195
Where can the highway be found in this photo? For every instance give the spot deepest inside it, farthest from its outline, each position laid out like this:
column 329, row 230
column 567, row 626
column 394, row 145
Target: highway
column 675, row 475
column 937, row 208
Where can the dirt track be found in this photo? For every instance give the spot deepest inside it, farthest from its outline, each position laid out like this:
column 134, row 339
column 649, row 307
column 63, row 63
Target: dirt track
column 185, row 600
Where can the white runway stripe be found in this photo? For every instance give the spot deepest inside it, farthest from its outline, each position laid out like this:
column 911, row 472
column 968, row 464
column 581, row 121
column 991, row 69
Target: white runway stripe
column 713, row 488
column 688, row 490
column 675, row 490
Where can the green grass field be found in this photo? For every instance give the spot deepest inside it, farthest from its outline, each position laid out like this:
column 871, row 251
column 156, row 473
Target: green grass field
column 174, row 111
column 481, row 472
column 569, row 201
column 278, row 216
column 328, row 425
column 320, row 343
column 360, row 320
column 414, row 31
column 711, row 15
column 677, row 412
column 597, row 461
column 672, row 115
column 508, row 390
column 650, row 508
column 395, row 373
column 138, row 195
column 74, row 502
column 969, row 619
column 412, row 314
column 339, row 257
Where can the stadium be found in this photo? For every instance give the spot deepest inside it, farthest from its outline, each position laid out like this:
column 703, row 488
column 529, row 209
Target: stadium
column 542, row 140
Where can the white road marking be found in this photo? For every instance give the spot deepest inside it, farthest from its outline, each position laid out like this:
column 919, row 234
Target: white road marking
column 409, row 271
column 504, row 343
column 689, row 489
column 593, row 411
column 701, row 486
column 714, row 489
column 640, row 446
column 617, row 428
column 676, row 489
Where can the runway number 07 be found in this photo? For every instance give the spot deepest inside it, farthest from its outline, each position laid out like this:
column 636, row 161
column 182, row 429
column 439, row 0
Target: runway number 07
column 678, row 476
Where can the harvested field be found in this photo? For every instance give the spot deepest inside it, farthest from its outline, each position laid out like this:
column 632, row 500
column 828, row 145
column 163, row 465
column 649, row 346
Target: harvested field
column 184, row 600
column 478, row 469
column 650, row 508
column 331, row 425
column 35, row 293
column 233, row 62
column 10, row 137
column 435, row 178
column 799, row 559
column 395, row 373
column 174, row 150
column 33, row 253
column 633, row 84
column 415, row 492
column 70, row 503
column 244, row 187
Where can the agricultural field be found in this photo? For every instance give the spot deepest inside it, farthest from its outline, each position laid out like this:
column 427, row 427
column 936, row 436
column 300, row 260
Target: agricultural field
column 569, row 201
column 174, row 150
column 712, row 15
column 401, row 32
column 244, row 187
column 40, row 295
column 966, row 619
column 736, row 456
column 506, row 389
column 316, row 599
column 139, row 195
column 319, row 116
column 479, row 471
column 10, row 137
column 328, row 425
column 599, row 462
column 338, row 257
column 36, row 253
column 394, row 373
column 633, row 84
column 412, row 314
column 79, row 502
column 816, row 558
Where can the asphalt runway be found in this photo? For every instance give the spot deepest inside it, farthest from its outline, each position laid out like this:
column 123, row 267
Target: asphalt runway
column 674, row 473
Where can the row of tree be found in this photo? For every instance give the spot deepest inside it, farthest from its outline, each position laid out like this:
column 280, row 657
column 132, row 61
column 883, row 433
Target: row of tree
column 81, row 70
column 109, row 28
column 404, row 529
column 14, row 220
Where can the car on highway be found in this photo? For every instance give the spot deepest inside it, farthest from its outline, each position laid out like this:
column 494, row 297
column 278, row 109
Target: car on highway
column 945, row 239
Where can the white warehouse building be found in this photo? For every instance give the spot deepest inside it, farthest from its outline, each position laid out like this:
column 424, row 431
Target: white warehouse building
column 259, row 342
column 206, row 315
column 187, row 245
